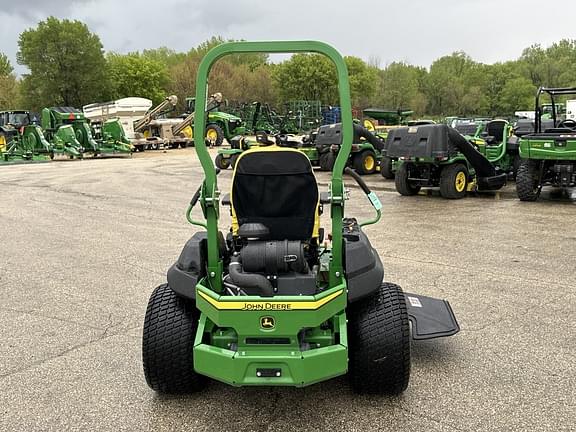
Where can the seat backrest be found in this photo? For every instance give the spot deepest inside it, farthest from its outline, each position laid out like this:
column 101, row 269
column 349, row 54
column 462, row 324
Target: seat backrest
column 275, row 186
column 495, row 128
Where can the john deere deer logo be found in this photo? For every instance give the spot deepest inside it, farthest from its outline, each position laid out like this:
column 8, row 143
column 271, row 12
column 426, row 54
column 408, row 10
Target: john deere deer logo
column 267, row 322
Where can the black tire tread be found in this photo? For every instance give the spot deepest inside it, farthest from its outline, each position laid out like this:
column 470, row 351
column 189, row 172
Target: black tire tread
column 448, row 178
column 168, row 343
column 403, row 185
column 379, row 339
column 327, row 160
column 221, row 163
column 219, row 131
column 386, row 168
column 358, row 162
column 525, row 181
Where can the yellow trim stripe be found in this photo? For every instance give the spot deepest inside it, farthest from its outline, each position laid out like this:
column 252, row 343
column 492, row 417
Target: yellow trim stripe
column 269, row 305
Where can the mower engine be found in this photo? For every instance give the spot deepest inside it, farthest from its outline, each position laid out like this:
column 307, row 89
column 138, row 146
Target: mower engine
column 269, row 267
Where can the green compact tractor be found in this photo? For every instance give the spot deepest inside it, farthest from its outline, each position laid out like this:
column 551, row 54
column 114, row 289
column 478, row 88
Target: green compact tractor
column 439, row 156
column 68, row 132
column 20, row 138
column 271, row 304
column 220, row 125
column 549, row 153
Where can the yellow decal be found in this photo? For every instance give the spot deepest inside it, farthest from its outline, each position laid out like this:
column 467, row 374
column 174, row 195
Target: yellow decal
column 269, row 305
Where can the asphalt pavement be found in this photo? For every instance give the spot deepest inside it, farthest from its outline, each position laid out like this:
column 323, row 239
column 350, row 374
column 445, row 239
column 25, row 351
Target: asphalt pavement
column 83, row 244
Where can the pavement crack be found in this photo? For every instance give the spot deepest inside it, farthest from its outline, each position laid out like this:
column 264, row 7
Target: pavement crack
column 61, row 354
column 32, row 312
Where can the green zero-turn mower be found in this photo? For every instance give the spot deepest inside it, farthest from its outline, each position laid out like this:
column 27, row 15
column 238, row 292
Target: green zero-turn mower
column 437, row 155
column 549, row 153
column 271, row 304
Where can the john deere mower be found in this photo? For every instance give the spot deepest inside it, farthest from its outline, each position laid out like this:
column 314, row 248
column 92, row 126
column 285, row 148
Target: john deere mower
column 438, row 156
column 271, row 304
column 549, row 153
column 365, row 153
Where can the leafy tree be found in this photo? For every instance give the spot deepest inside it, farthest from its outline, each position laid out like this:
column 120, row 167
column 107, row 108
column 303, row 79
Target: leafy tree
column 5, row 65
column 363, row 81
column 517, row 95
column 9, row 92
column 66, row 63
column 306, row 76
column 136, row 75
column 400, row 87
column 164, row 55
column 9, row 88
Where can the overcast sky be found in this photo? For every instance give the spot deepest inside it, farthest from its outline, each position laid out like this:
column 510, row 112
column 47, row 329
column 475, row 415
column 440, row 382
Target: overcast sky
column 416, row 31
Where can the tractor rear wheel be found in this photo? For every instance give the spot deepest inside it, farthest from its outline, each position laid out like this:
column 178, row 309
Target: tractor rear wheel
column 404, row 186
column 214, row 134
column 527, row 181
column 221, row 162
column 168, row 343
column 454, row 181
column 365, row 162
column 386, row 168
column 327, row 160
column 379, row 338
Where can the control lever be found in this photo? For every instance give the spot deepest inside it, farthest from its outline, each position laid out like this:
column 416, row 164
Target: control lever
column 371, row 195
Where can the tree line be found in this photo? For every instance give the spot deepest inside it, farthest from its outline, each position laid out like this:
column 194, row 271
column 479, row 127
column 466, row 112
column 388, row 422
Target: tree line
column 67, row 65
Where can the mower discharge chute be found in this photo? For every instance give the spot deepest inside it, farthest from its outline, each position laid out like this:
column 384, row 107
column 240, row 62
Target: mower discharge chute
column 271, row 303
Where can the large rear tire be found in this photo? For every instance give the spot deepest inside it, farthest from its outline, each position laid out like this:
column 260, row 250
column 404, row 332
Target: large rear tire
column 454, row 181
column 168, row 343
column 365, row 162
column 379, row 338
column 214, row 134
column 527, row 181
column 404, row 186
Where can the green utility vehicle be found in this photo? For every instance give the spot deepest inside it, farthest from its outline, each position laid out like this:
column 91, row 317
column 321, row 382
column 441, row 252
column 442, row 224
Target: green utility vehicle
column 549, row 153
column 438, row 156
column 220, row 125
column 68, row 132
column 20, row 138
column 272, row 304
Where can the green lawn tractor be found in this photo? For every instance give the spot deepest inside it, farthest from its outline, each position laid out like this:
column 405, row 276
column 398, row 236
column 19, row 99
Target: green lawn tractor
column 111, row 138
column 20, row 138
column 438, row 156
column 68, row 132
column 549, row 153
column 219, row 125
column 271, row 304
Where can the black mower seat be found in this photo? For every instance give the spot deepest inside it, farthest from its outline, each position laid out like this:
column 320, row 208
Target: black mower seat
column 495, row 132
column 275, row 186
